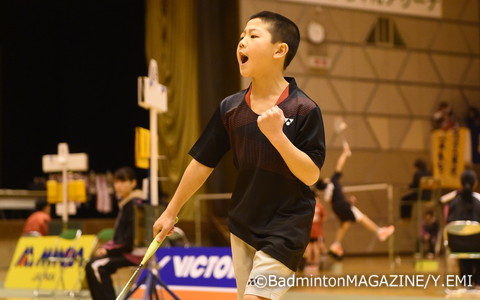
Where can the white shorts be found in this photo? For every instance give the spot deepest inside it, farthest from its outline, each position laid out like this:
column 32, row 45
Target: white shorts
column 252, row 266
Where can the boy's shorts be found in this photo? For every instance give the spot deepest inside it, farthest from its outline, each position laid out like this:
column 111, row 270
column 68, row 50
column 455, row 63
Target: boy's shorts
column 254, row 268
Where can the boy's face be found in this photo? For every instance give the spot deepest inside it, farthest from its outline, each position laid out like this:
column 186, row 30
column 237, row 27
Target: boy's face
column 123, row 187
column 255, row 51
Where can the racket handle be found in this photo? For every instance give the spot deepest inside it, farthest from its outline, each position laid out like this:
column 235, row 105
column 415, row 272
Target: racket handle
column 153, row 248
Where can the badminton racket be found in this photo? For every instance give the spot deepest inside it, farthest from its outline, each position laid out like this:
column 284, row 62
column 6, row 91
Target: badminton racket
column 339, row 127
column 150, row 251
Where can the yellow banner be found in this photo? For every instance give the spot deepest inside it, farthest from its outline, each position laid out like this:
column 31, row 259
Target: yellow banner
column 31, row 265
column 142, row 148
column 76, row 189
column 451, row 151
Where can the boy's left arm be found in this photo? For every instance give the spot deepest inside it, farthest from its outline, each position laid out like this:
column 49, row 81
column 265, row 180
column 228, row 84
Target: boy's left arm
column 300, row 164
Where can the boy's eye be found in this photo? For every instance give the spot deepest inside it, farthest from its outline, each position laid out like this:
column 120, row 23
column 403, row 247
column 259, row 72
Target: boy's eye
column 253, row 36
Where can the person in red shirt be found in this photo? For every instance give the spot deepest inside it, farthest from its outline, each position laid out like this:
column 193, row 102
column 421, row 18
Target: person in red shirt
column 37, row 222
column 316, row 246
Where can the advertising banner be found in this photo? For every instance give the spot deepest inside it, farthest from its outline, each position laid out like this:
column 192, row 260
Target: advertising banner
column 451, row 152
column 424, row 8
column 196, row 273
column 32, row 268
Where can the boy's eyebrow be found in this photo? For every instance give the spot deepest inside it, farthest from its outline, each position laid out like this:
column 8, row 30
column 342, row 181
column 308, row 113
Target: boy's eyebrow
column 249, row 30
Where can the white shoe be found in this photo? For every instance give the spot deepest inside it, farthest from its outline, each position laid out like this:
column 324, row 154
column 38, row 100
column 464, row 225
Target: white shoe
column 384, row 232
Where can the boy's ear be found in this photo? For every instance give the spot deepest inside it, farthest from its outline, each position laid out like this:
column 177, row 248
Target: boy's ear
column 281, row 50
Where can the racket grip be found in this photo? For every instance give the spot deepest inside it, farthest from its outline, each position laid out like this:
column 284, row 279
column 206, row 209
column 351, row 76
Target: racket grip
column 153, row 248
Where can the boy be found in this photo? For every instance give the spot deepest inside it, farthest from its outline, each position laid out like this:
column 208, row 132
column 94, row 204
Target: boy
column 276, row 134
column 345, row 209
column 118, row 252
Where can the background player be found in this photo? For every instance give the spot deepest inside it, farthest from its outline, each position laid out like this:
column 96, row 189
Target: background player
column 344, row 208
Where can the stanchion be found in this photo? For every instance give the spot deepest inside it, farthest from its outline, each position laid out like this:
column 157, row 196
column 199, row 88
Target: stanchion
column 151, row 278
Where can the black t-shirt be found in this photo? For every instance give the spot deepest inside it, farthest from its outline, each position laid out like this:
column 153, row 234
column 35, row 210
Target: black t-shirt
column 271, row 210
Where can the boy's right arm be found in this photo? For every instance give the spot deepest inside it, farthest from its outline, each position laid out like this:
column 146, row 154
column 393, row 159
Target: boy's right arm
column 193, row 178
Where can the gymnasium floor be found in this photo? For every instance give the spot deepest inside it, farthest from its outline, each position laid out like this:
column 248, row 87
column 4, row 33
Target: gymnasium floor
column 349, row 266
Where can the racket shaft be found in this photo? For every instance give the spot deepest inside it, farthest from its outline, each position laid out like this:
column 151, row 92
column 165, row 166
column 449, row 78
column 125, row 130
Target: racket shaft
column 127, row 286
column 150, row 251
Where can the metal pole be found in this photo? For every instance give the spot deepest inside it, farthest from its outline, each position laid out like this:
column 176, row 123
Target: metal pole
column 63, row 152
column 198, row 212
column 65, row 195
column 198, row 225
column 391, row 241
column 153, row 157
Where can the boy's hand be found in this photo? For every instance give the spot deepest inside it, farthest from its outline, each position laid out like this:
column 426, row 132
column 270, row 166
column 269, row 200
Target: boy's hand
column 163, row 227
column 271, row 122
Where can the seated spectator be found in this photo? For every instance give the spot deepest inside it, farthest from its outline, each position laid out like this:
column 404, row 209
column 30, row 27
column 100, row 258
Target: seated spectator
column 466, row 206
column 410, row 198
column 37, row 222
column 443, row 118
column 430, row 229
column 117, row 253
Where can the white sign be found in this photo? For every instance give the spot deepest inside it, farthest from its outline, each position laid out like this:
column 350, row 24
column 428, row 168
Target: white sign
column 64, row 160
column 425, row 8
column 152, row 94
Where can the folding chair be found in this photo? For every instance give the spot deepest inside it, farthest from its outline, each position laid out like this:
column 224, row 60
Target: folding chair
column 105, row 235
column 462, row 241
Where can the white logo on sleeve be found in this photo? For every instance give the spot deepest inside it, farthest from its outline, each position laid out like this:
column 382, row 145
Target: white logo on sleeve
column 288, row 121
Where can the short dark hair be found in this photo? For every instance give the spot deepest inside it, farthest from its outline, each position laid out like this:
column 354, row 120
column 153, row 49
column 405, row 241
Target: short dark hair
column 41, row 203
column 420, row 164
column 283, row 30
column 124, row 174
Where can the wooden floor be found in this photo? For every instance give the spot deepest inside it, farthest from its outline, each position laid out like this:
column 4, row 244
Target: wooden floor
column 361, row 268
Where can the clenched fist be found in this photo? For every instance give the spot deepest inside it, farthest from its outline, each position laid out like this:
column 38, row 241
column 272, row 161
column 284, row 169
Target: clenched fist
column 271, row 122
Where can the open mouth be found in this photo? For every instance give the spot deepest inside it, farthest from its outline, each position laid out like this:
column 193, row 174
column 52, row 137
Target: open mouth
column 243, row 58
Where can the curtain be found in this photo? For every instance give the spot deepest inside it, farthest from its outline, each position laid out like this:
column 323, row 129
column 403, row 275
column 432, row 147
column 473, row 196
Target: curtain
column 171, row 39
